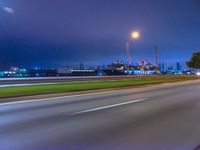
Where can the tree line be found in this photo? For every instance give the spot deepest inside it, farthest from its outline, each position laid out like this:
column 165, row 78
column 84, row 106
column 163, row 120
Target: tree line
column 194, row 62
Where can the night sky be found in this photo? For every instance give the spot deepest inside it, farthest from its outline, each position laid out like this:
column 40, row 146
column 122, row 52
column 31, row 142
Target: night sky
column 57, row 33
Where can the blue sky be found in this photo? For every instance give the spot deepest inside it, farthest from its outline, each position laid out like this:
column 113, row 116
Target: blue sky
column 66, row 32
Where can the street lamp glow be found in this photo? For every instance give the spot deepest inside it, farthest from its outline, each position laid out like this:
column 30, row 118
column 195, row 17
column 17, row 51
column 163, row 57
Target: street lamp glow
column 135, row 35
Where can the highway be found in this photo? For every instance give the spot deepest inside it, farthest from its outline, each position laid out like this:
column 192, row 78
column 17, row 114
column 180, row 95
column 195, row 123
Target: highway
column 161, row 117
column 6, row 82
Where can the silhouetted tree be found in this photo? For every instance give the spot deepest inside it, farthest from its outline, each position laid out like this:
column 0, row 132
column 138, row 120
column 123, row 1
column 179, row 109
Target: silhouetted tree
column 194, row 61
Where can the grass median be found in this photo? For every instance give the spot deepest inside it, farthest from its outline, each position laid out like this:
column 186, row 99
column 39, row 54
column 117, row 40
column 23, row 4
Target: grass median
column 7, row 92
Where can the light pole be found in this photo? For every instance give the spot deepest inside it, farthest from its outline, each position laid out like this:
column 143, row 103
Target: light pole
column 156, row 59
column 134, row 35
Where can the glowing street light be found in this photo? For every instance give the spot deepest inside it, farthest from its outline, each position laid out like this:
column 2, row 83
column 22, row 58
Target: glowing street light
column 134, row 35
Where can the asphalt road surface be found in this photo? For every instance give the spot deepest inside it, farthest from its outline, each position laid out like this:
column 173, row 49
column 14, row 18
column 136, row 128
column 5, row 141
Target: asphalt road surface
column 164, row 117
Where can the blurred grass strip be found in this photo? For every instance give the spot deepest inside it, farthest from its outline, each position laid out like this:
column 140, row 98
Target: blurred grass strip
column 7, row 92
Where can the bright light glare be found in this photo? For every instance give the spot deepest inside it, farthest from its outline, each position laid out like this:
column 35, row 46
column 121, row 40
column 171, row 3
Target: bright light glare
column 135, row 35
column 198, row 73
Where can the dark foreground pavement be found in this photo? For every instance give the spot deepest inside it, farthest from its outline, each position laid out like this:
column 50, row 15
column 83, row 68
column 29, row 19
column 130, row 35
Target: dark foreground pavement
column 165, row 117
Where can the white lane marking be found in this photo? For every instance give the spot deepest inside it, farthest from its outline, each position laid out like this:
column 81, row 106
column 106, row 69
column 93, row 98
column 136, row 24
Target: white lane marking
column 48, row 78
column 15, row 85
column 61, row 97
column 41, row 78
column 87, row 94
column 59, row 83
column 109, row 106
